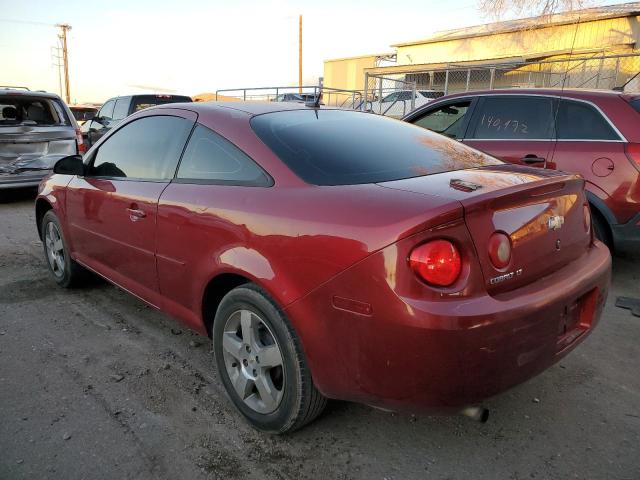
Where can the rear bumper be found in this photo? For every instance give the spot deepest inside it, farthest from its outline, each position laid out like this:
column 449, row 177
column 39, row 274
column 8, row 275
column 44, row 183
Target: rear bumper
column 626, row 236
column 442, row 355
column 15, row 181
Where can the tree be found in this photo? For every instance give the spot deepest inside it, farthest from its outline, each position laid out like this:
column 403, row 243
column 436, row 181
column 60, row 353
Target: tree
column 499, row 9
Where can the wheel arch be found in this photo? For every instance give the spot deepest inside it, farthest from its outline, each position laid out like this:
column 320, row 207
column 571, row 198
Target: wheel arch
column 598, row 204
column 215, row 290
column 600, row 210
column 42, row 207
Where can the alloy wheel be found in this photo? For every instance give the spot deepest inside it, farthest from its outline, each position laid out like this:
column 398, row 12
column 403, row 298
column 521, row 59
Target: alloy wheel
column 253, row 361
column 55, row 249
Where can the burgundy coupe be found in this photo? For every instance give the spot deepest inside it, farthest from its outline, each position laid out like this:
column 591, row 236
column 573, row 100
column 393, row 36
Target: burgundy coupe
column 332, row 254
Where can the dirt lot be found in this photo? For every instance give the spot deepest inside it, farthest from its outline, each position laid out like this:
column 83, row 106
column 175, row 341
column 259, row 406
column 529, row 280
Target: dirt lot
column 93, row 384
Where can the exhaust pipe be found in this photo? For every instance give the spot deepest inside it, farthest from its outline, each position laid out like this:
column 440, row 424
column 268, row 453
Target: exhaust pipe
column 479, row 414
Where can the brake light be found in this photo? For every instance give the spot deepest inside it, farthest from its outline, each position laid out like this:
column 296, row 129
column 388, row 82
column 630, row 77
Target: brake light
column 633, row 153
column 437, row 262
column 500, row 250
column 82, row 148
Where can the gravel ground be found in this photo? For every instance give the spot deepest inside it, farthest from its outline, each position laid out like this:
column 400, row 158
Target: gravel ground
column 93, row 384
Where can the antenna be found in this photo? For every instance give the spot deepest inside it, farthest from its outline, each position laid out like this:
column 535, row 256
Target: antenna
column 315, row 103
column 623, row 86
column 300, row 54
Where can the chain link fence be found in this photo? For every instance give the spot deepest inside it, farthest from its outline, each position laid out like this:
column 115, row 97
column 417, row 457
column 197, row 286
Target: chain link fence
column 396, row 94
column 389, row 96
column 402, row 92
column 334, row 97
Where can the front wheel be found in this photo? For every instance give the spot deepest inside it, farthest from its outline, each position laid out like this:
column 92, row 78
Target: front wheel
column 261, row 363
column 65, row 271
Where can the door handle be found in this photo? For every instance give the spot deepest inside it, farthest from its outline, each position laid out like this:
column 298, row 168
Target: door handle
column 532, row 159
column 136, row 214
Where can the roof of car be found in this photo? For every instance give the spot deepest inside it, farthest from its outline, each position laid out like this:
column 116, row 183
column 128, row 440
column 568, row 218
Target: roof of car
column 250, row 108
column 30, row 93
column 571, row 92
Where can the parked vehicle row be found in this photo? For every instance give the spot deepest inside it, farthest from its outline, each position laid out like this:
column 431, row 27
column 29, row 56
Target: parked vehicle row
column 83, row 113
column 592, row 133
column 116, row 109
column 401, row 102
column 38, row 128
column 332, row 253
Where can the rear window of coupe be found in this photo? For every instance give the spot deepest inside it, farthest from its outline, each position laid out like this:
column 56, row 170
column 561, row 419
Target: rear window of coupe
column 338, row 147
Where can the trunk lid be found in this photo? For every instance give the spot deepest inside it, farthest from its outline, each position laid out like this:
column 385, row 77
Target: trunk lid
column 26, row 147
column 540, row 210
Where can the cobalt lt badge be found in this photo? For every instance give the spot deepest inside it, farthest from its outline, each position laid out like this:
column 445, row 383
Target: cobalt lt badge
column 555, row 222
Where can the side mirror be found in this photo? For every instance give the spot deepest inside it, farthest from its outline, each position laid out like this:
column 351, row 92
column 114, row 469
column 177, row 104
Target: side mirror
column 71, row 165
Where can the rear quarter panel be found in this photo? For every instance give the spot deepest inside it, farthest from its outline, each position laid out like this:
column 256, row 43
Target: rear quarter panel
column 287, row 240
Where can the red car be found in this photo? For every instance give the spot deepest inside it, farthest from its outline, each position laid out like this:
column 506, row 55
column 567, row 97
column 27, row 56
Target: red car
column 591, row 132
column 332, row 254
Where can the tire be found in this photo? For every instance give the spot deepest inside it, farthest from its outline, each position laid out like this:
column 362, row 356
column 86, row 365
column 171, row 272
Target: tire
column 261, row 364
column 601, row 229
column 65, row 271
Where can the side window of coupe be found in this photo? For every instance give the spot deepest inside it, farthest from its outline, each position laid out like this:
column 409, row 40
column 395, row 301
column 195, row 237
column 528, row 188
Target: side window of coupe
column 581, row 121
column 447, row 120
column 121, row 109
column 145, row 149
column 209, row 158
column 511, row 117
column 106, row 112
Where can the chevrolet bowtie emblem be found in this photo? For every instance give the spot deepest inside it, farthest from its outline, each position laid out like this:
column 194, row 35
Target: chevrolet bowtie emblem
column 555, row 222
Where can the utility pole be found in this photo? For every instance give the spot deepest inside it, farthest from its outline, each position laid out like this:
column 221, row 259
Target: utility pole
column 56, row 58
column 64, row 28
column 300, row 55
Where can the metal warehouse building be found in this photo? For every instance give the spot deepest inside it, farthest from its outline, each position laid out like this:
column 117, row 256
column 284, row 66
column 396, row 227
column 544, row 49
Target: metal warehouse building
column 590, row 48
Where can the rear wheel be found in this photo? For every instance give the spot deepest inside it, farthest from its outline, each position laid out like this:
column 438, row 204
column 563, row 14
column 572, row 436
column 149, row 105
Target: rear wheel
column 261, row 364
column 65, row 271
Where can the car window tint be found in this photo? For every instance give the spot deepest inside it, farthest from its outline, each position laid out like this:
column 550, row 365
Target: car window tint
column 635, row 104
column 140, row 102
column 429, row 94
column 512, row 118
column 213, row 159
column 32, row 111
column 339, row 147
column 81, row 114
column 446, row 120
column 581, row 121
column 147, row 149
column 121, row 108
column 107, row 110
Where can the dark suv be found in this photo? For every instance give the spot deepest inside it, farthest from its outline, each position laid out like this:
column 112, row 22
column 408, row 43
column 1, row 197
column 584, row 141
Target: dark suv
column 118, row 108
column 593, row 133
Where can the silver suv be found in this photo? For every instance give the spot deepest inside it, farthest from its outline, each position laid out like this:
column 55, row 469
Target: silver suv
column 36, row 129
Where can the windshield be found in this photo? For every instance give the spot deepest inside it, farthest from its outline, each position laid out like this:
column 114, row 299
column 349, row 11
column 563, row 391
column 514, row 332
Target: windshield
column 338, row 147
column 83, row 114
column 25, row 110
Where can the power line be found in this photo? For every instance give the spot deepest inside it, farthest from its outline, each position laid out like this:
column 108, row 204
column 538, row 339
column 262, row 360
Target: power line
column 26, row 22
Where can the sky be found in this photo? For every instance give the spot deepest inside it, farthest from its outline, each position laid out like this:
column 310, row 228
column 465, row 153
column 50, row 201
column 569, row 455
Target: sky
column 189, row 46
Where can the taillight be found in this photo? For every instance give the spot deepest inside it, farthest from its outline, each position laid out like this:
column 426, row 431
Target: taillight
column 587, row 218
column 437, row 262
column 633, row 152
column 82, row 148
column 499, row 250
